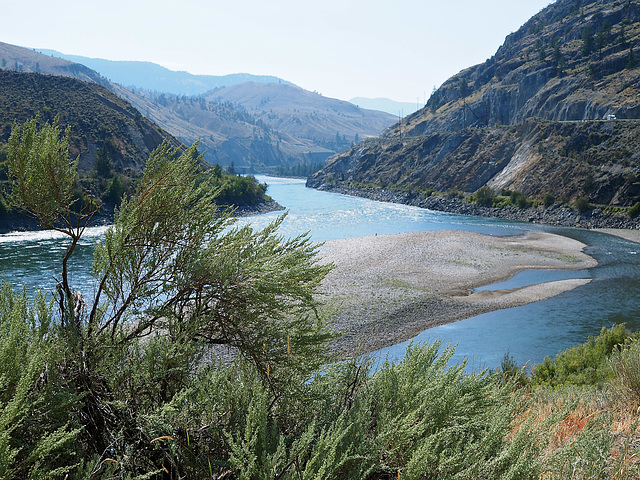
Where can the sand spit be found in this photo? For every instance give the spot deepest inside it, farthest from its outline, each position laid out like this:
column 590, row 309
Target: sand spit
column 388, row 288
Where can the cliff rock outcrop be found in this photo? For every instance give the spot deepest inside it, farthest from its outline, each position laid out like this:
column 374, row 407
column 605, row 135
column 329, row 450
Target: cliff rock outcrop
column 555, row 110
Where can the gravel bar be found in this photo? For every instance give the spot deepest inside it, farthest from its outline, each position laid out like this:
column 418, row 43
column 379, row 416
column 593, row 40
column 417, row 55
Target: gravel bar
column 386, row 289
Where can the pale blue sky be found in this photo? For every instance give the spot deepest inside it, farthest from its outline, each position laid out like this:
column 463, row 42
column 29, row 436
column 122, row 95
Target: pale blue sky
column 398, row 49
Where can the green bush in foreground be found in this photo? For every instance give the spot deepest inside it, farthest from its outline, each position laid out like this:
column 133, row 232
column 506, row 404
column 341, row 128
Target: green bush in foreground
column 584, row 364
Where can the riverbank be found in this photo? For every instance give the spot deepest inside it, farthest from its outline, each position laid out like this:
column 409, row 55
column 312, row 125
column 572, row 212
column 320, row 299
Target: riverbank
column 554, row 215
column 386, row 289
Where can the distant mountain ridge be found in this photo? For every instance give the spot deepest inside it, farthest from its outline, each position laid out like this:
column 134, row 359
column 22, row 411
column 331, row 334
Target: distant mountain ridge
column 156, row 78
column 297, row 112
column 555, row 111
column 399, row 109
column 229, row 133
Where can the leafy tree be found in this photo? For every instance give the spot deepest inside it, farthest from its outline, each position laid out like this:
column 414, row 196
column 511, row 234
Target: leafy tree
column 588, row 42
column 43, row 183
column 114, row 190
column 484, row 196
column 582, row 204
column 103, row 164
column 216, row 171
column 548, row 200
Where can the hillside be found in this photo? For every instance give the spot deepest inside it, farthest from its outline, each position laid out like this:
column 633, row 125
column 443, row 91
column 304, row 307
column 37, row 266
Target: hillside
column 291, row 110
column 153, row 77
column 97, row 117
column 22, row 59
column 228, row 134
column 555, row 111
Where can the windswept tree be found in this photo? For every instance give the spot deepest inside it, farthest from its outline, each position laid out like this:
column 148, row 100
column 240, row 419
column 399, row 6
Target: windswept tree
column 175, row 279
column 43, row 180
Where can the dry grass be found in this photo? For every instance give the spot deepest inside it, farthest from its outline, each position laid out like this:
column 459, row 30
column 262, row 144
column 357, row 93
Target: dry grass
column 582, row 419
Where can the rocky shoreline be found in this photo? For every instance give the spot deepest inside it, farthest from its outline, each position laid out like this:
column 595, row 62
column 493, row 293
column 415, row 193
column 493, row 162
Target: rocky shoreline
column 554, row 215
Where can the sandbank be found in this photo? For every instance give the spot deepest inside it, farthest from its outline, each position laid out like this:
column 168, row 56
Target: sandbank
column 386, row 289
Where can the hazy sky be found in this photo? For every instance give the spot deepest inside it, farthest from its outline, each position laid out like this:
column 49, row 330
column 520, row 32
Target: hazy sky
column 398, row 49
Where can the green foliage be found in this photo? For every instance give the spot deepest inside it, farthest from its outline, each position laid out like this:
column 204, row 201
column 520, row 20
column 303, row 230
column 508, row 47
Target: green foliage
column 510, row 371
column 585, row 364
column 582, row 204
column 114, row 191
column 433, row 420
column 634, row 210
column 174, row 278
column 103, row 164
column 631, row 59
column 484, row 196
column 239, row 190
column 36, row 433
column 4, row 208
column 513, row 197
column 548, row 200
column 420, row 416
column 300, row 169
column 139, row 382
column 41, row 175
column 588, row 42
column 463, row 87
column 587, row 456
column 625, row 365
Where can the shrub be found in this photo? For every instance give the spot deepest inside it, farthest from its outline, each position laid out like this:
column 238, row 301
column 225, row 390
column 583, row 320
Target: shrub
column 484, row 196
column 625, row 365
column 582, row 204
column 634, row 210
column 173, row 279
column 548, row 200
column 584, row 364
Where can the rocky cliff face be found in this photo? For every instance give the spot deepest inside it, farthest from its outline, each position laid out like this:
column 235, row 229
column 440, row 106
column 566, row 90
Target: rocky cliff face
column 555, row 110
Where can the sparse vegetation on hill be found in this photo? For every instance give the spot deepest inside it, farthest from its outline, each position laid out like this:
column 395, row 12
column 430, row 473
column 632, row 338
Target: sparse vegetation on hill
column 98, row 119
column 255, row 123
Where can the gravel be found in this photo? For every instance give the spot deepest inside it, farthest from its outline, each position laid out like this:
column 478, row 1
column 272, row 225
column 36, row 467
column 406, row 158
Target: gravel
column 386, row 289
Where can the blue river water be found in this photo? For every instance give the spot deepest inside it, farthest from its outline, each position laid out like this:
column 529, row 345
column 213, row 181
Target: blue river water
column 528, row 333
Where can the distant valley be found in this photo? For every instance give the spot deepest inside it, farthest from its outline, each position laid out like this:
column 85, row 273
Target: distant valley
column 232, row 127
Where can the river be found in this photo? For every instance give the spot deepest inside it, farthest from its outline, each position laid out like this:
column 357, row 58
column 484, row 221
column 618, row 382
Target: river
column 528, row 333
